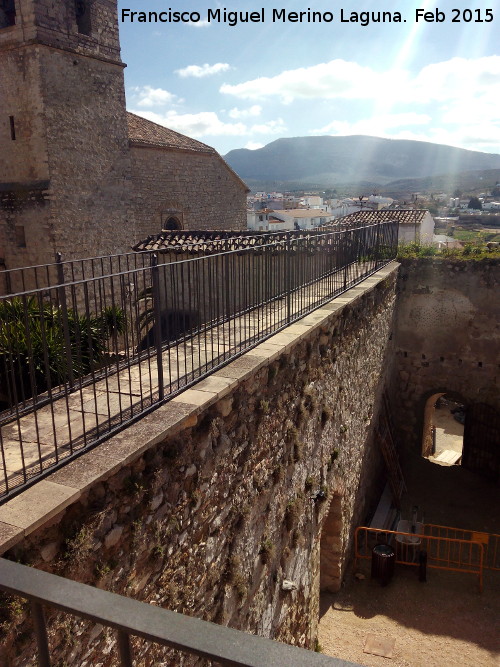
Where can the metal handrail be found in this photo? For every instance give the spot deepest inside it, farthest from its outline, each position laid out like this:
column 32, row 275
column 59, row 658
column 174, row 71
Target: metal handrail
column 200, row 313
column 129, row 617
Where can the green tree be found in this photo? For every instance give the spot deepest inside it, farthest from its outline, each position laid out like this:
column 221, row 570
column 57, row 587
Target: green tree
column 475, row 204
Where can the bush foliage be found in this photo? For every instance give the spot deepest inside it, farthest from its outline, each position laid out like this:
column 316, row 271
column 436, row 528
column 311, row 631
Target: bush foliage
column 468, row 251
column 33, row 352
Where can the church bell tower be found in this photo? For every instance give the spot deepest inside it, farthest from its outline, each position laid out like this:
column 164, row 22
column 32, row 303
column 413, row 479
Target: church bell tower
column 63, row 131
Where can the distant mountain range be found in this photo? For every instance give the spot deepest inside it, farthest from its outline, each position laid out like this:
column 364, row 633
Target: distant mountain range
column 361, row 161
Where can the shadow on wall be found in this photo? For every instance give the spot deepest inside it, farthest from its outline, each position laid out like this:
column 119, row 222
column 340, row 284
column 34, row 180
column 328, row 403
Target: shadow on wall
column 174, row 324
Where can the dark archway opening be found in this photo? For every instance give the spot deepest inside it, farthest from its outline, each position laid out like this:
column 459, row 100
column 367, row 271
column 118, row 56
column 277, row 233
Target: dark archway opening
column 172, row 224
column 7, row 13
column 83, row 19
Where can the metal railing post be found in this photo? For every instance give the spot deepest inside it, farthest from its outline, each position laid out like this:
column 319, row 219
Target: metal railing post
column 288, row 282
column 347, row 255
column 377, row 241
column 41, row 634
column 61, row 295
column 124, row 648
column 155, row 282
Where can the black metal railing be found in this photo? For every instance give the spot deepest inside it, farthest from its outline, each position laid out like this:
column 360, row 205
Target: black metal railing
column 131, row 618
column 88, row 346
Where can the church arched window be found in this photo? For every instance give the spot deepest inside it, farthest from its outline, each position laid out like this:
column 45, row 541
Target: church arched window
column 7, row 13
column 82, row 11
column 172, row 224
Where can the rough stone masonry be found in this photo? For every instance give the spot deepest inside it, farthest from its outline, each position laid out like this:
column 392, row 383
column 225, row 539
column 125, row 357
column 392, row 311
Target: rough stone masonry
column 211, row 503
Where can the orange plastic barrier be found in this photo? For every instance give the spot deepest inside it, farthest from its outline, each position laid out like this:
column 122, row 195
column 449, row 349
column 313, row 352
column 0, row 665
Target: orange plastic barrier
column 490, row 541
column 443, row 553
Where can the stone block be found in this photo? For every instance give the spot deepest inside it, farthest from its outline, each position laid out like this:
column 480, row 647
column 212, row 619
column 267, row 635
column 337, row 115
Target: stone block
column 35, row 506
column 113, row 537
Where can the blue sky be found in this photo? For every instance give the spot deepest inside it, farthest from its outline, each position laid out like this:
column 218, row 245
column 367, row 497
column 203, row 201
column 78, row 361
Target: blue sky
column 247, row 85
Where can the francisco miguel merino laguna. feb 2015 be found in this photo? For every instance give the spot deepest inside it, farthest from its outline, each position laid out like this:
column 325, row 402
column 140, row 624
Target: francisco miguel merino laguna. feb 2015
column 233, row 18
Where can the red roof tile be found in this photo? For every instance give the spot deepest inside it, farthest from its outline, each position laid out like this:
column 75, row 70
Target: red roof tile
column 146, row 133
column 403, row 216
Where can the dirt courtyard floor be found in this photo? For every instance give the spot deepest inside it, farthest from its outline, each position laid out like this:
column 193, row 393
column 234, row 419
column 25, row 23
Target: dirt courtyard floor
column 444, row 622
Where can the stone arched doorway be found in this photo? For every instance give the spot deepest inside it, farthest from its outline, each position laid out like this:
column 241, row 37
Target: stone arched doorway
column 470, row 430
column 443, row 427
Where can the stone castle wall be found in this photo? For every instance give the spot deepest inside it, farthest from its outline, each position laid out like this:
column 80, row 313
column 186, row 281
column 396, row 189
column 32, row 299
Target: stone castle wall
column 210, row 503
column 446, row 338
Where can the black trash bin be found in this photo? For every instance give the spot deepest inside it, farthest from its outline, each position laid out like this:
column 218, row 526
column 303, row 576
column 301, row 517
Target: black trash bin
column 383, row 559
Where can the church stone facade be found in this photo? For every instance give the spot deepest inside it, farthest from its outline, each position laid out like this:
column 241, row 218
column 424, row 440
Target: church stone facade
column 78, row 175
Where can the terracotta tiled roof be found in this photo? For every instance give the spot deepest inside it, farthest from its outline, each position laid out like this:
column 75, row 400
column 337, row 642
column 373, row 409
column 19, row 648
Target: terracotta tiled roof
column 142, row 132
column 146, row 133
column 212, row 242
column 404, row 216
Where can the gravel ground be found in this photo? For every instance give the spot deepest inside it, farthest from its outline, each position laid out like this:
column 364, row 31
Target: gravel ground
column 444, row 622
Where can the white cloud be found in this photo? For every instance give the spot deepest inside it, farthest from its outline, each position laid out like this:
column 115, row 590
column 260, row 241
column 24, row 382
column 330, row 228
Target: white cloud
column 271, row 127
column 334, row 79
column 198, row 71
column 254, row 110
column 205, row 123
column 375, row 125
column 199, row 24
column 453, row 102
column 146, row 96
column 459, row 79
column 253, row 145
column 454, row 79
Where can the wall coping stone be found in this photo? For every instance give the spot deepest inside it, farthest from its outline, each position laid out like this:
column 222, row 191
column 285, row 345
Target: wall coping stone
column 37, row 505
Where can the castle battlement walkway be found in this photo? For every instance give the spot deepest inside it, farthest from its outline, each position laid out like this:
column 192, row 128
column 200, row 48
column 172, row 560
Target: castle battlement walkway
column 96, row 344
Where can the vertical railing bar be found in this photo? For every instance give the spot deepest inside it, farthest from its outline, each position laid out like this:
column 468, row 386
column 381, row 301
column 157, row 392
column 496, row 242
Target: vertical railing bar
column 4, row 463
column 128, row 341
column 175, row 282
column 167, row 279
column 61, row 292
column 47, row 372
column 124, row 648
column 74, row 306
column 34, row 388
column 157, row 329
column 91, row 356
column 41, row 634
column 99, row 300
